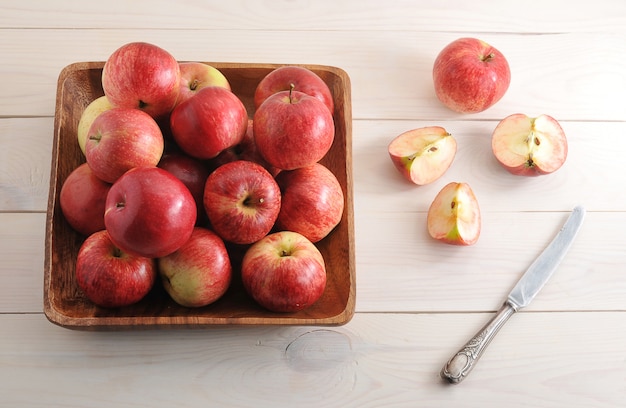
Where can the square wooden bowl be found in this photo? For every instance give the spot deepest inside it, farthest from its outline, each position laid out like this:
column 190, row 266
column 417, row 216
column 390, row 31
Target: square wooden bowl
column 65, row 304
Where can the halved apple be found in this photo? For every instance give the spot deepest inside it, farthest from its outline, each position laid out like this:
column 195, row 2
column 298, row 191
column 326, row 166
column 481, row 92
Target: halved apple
column 529, row 146
column 454, row 215
column 423, row 155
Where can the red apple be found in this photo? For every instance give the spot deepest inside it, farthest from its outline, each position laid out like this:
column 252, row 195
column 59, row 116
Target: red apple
column 111, row 277
column 199, row 272
column 149, row 212
column 120, row 139
column 423, row 155
column 293, row 129
column 470, row 75
column 144, row 76
column 197, row 75
column 82, row 199
column 193, row 173
column 242, row 201
column 312, row 201
column 244, row 150
column 528, row 146
column 454, row 215
column 213, row 120
column 91, row 112
column 284, row 272
column 299, row 78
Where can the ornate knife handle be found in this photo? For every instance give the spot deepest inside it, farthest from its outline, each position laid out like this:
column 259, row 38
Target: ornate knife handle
column 459, row 366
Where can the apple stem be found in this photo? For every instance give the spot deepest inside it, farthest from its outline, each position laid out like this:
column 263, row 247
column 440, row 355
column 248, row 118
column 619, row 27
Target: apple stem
column 488, row 57
column 117, row 252
column 194, row 85
column 142, row 104
column 291, row 88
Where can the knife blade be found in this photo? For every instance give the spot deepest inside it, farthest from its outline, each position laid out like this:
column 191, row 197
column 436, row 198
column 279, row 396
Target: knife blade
column 524, row 291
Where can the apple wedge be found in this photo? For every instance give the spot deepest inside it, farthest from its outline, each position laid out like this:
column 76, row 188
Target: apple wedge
column 528, row 146
column 423, row 155
column 454, row 215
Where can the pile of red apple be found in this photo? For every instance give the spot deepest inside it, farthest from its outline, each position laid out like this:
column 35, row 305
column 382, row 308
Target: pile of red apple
column 177, row 173
column 470, row 76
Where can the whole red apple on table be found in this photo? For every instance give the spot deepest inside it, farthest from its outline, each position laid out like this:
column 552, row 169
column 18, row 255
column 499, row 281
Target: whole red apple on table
column 82, row 200
column 245, row 150
column 120, row 139
column 199, row 272
column 242, row 201
column 312, row 201
column 193, row 173
column 144, row 76
column 213, row 120
column 197, row 75
column 529, row 146
column 111, row 277
column 470, row 75
column 91, row 112
column 292, row 129
column 423, row 155
column 297, row 78
column 284, row 272
column 454, row 215
column 149, row 212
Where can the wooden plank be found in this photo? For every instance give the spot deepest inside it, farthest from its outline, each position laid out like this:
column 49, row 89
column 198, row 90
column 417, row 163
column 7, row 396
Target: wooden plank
column 536, row 16
column 390, row 71
column 538, row 359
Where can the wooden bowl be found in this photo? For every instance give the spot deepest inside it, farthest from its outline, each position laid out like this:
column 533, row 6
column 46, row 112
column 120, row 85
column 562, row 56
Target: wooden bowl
column 66, row 305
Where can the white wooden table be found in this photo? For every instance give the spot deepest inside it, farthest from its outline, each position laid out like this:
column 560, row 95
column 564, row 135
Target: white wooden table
column 417, row 300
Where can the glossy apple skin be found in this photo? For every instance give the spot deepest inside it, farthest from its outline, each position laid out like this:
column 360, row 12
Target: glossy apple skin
column 82, row 199
column 423, row 155
column 193, row 173
column 454, row 215
column 110, row 277
column 302, row 79
column 528, row 146
column 242, row 201
column 144, row 76
column 199, row 272
column 149, row 212
column 197, row 75
column 120, row 139
column 213, row 120
column 312, row 201
column 284, row 272
column 470, row 75
column 292, row 129
column 91, row 112
column 244, row 150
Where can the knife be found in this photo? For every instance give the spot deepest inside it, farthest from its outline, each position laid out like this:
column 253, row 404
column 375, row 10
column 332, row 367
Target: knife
column 531, row 282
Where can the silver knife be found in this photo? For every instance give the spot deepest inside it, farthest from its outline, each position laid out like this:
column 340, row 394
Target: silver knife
column 535, row 277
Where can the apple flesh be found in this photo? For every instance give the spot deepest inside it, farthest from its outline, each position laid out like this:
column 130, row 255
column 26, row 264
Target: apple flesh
column 82, row 199
column 195, row 76
column 312, row 201
column 292, row 129
column 423, row 155
column 242, row 201
column 284, row 272
column 91, row 112
column 143, row 76
column 454, row 215
column 297, row 78
column 529, row 146
column 470, row 75
column 120, row 139
column 199, row 272
column 149, row 212
column 111, row 277
column 210, row 122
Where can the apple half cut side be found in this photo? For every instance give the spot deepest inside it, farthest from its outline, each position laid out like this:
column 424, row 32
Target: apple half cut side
column 454, row 215
column 423, row 155
column 529, row 146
